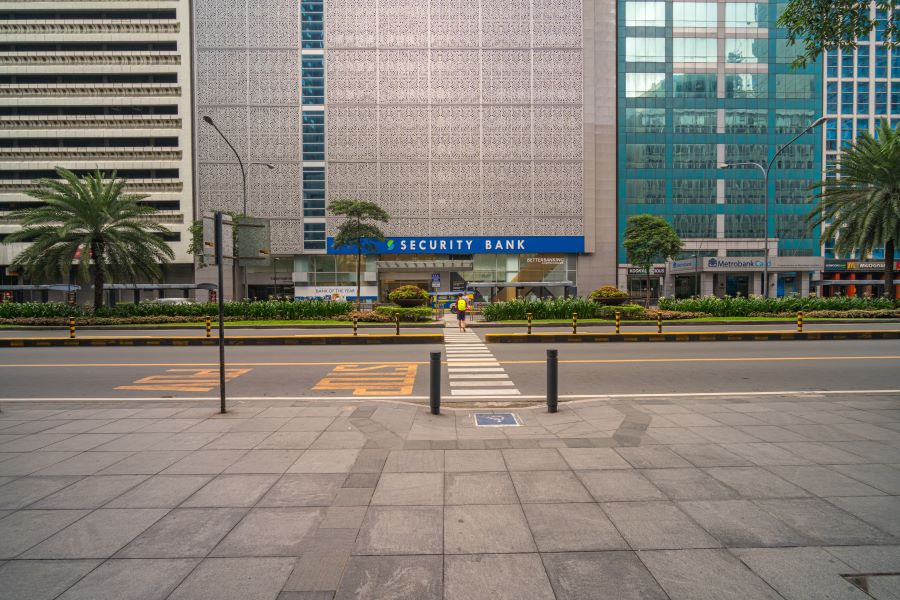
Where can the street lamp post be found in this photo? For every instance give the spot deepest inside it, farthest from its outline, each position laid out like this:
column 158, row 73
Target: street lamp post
column 766, row 169
column 208, row 120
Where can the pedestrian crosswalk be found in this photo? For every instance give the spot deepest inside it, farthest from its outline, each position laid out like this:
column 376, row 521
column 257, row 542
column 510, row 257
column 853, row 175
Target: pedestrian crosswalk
column 472, row 368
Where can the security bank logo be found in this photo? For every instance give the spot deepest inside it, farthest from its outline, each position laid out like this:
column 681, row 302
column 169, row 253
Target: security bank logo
column 713, row 263
column 390, row 244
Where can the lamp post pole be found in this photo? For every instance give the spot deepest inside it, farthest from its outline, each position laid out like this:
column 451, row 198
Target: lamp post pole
column 766, row 168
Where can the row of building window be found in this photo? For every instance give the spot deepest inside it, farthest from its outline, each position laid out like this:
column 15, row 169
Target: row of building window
column 312, row 25
column 706, row 50
column 788, row 86
column 839, row 97
column 791, row 227
column 704, row 156
column 842, row 65
column 704, row 191
column 695, row 14
column 702, row 120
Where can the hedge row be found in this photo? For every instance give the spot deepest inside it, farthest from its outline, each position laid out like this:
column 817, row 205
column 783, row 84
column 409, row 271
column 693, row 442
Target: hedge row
column 263, row 310
column 757, row 305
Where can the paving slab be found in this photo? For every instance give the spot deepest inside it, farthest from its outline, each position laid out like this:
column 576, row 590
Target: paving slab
column 592, row 575
column 235, row 579
column 468, row 461
column 90, row 492
column 304, row 489
column 548, row 459
column 549, row 486
column 705, row 575
column 881, row 511
column 86, row 463
column 572, row 527
column 265, row 461
column 651, row 457
column 288, row 440
column 802, row 573
column 657, row 525
column 409, row 489
column 884, row 478
column 582, row 459
column 98, row 535
column 824, row 523
column 21, row 530
column 394, row 577
column 740, row 523
column 479, row 488
column 414, row 461
column 868, row 559
column 487, row 529
column 205, row 462
column 41, row 579
column 619, row 486
column 688, row 484
column 131, row 580
column 184, row 533
column 26, row 490
column 271, row 532
column 31, row 462
column 322, row 564
column 227, row 491
column 161, row 491
column 401, row 530
column 756, row 482
column 496, row 577
column 145, row 463
column 325, row 461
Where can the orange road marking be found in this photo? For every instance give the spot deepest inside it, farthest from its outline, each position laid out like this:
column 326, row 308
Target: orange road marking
column 371, row 380
column 184, row 380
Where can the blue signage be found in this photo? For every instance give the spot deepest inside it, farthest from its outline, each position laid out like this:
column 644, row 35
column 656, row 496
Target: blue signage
column 496, row 420
column 469, row 245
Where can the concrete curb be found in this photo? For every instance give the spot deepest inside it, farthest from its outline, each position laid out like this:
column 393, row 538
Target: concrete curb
column 688, row 336
column 228, row 325
column 279, row 340
column 671, row 323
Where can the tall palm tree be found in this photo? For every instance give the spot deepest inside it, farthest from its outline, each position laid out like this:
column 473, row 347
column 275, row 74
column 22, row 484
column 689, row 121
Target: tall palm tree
column 860, row 199
column 92, row 221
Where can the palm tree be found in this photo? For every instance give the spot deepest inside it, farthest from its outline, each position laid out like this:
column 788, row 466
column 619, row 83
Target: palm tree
column 90, row 220
column 860, row 199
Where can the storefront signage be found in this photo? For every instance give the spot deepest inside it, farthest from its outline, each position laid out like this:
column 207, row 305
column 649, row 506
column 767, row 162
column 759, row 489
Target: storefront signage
column 653, row 271
column 334, row 292
column 875, row 266
column 469, row 245
column 436, row 280
column 725, row 264
column 547, row 260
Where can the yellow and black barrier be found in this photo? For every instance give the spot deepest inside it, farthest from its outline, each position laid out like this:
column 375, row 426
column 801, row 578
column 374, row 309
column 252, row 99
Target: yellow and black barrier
column 800, row 322
column 72, row 328
column 208, row 327
column 691, row 336
column 254, row 340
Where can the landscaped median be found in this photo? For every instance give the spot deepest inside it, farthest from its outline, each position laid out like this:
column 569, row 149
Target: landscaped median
column 230, row 340
column 690, row 336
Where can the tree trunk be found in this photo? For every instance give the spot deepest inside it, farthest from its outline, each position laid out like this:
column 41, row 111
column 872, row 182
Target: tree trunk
column 99, row 276
column 647, row 302
column 889, row 270
column 358, row 277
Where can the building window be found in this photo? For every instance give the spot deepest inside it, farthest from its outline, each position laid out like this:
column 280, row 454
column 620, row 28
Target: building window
column 745, row 226
column 797, row 156
column 847, row 64
column 702, row 50
column 744, row 191
column 747, row 85
column 313, row 135
column 312, row 25
column 645, row 14
column 847, row 98
column 695, row 226
column 789, row 120
column 694, row 191
column 862, row 98
column 313, row 79
column 645, row 156
column 862, row 62
column 881, row 61
column 645, row 85
column 749, row 50
column 694, row 156
column 694, row 85
column 794, row 86
column 645, row 49
column 746, row 121
column 645, row 191
column 314, row 236
column 794, row 227
column 793, row 191
column 895, row 97
column 313, row 191
column 831, row 98
column 736, row 153
column 831, row 63
column 895, row 64
column 831, row 135
column 746, row 15
column 786, row 53
column 862, row 125
column 881, row 97
column 694, row 14
column 687, row 120
column 645, row 120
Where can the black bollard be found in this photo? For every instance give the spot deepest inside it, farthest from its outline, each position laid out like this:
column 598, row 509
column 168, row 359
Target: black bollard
column 397, row 321
column 435, row 392
column 552, row 381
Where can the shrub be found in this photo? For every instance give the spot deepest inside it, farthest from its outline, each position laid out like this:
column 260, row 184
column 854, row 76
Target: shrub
column 366, row 316
column 417, row 314
column 608, row 292
column 560, row 308
column 743, row 307
column 408, row 292
column 629, row 312
column 672, row 315
column 266, row 310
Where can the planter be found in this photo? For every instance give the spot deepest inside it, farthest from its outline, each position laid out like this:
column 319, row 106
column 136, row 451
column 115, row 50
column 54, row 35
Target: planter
column 410, row 302
column 611, row 301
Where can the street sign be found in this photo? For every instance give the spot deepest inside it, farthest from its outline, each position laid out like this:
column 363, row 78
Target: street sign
column 209, row 240
column 496, row 420
column 253, row 239
column 435, row 280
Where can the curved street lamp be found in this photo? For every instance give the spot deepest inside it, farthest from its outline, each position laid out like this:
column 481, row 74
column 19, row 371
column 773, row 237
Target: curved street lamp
column 766, row 169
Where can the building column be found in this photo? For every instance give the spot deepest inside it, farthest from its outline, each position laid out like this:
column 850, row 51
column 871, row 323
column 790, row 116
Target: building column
column 706, row 284
column 804, row 284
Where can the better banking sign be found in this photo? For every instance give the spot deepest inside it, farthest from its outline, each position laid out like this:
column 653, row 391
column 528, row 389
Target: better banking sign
column 468, row 245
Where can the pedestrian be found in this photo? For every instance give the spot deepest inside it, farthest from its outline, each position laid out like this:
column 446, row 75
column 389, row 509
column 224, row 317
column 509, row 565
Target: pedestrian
column 462, row 306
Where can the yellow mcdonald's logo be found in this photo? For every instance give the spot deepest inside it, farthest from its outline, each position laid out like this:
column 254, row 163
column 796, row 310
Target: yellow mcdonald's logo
column 851, row 266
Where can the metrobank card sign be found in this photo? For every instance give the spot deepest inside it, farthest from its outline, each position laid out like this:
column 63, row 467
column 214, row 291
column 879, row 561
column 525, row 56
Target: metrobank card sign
column 468, row 245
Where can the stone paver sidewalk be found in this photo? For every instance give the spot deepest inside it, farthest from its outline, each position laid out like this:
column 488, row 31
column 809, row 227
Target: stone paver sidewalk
column 726, row 498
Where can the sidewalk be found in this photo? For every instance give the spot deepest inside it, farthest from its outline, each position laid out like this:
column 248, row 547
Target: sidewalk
column 727, row 498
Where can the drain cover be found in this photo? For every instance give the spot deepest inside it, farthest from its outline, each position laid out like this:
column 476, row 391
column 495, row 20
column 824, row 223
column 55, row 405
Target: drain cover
column 496, row 420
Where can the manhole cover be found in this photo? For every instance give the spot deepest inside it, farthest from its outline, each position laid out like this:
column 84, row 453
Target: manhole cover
column 496, row 420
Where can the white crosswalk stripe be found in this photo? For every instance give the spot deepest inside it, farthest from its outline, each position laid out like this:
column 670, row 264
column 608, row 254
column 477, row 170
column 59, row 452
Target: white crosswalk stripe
column 472, row 368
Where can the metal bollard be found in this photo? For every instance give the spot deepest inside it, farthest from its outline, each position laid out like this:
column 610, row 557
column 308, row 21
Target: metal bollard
column 618, row 322
column 72, row 328
column 800, row 321
column 574, row 323
column 529, row 323
column 434, row 397
column 397, row 319
column 658, row 323
column 208, row 327
column 552, row 381
column 355, row 325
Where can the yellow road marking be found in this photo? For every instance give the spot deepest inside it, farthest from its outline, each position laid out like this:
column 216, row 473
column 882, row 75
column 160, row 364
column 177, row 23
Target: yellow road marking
column 502, row 362
column 184, row 380
column 386, row 379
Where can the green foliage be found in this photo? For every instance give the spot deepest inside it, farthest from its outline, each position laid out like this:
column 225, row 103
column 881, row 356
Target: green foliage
column 408, row 292
column 649, row 239
column 823, row 25
column 759, row 306
column 418, row 314
column 517, row 310
column 266, row 310
column 356, row 231
column 94, row 216
column 628, row 312
column 608, row 291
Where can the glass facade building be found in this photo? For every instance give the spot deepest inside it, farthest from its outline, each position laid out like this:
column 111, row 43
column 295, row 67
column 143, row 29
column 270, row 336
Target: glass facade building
column 706, row 83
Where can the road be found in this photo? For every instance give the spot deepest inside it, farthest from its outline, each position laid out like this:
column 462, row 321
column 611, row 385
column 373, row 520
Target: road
column 495, row 371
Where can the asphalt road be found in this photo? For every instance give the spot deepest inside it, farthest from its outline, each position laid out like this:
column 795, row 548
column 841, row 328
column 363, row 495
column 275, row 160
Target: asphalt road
column 401, row 372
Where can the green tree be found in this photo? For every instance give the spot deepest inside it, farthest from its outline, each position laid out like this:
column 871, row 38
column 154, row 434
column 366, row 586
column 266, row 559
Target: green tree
column 859, row 200
column 823, row 25
column 649, row 239
column 358, row 230
column 91, row 220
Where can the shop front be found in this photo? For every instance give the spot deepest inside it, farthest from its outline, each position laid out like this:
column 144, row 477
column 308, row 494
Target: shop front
column 720, row 276
column 494, row 269
column 854, row 278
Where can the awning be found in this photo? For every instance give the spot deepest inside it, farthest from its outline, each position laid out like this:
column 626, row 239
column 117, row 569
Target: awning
column 519, row 284
column 55, row 287
column 425, row 265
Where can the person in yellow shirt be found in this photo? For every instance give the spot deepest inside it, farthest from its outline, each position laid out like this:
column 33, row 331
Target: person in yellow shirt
column 462, row 307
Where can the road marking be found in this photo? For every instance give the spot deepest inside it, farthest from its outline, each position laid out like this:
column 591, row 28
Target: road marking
column 466, row 352
column 184, row 380
column 478, row 376
column 375, row 380
column 486, row 392
column 477, row 383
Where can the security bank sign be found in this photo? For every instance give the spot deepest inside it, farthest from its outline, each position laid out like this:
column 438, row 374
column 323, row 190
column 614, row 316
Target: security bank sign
column 469, row 245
